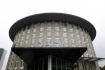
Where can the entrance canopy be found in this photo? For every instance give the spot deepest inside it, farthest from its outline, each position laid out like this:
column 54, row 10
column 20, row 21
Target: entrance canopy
column 95, row 59
column 30, row 54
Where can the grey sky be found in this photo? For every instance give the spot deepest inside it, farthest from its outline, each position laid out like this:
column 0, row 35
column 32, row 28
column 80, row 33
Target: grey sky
column 91, row 10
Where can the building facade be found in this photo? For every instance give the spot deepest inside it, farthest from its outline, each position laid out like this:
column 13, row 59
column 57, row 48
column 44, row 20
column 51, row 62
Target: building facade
column 52, row 41
column 2, row 56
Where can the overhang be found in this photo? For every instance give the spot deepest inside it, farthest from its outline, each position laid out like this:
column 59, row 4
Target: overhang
column 49, row 17
column 30, row 54
column 94, row 59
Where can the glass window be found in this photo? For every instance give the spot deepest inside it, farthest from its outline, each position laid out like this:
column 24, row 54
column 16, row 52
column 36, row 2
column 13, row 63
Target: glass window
column 16, row 63
column 63, row 65
column 40, row 39
column 41, row 29
column 56, row 28
column 39, row 44
column 40, row 34
column 79, row 42
column 56, row 33
column 32, row 45
column 19, row 35
column 34, row 30
column 48, row 33
column 23, row 33
column 82, row 38
column 21, row 38
column 28, row 31
column 81, row 33
column 47, row 44
column 26, row 42
column 17, row 40
column 27, row 36
column 49, row 24
column 40, row 64
column 71, row 30
column 73, row 41
column 21, row 43
column 78, row 37
column 72, row 35
column 48, row 40
column 77, row 31
column 53, row 63
column 33, row 40
column 58, row 64
column 73, row 45
column 22, row 63
column 48, row 28
column 64, row 34
column 64, row 29
column 56, row 24
column 33, row 35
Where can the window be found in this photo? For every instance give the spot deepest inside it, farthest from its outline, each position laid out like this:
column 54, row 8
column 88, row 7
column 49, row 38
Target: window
column 56, row 24
column 22, row 63
column 78, row 37
column 56, row 28
column 71, row 30
column 27, row 36
column 77, row 31
column 57, row 39
column 65, row 44
column 21, row 38
column 32, row 45
column 28, row 31
column 23, row 33
column 41, row 29
column 47, row 44
column 81, row 33
column 56, row 33
column 33, row 41
column 17, row 40
column 40, row 34
column 19, row 35
column 33, row 35
column 49, row 24
column 39, row 44
column 48, row 28
column 64, row 29
column 73, row 45
column 73, row 41
column 34, row 30
column 72, row 35
column 16, row 63
column 82, row 38
column 48, row 33
column 48, row 40
column 26, row 42
column 64, row 34
column 21, row 43
column 40, row 39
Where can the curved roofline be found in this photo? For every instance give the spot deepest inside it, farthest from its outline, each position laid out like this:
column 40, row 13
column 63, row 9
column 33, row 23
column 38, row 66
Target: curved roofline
column 52, row 17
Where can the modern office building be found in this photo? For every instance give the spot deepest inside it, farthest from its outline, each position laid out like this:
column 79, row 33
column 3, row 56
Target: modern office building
column 2, row 56
column 52, row 41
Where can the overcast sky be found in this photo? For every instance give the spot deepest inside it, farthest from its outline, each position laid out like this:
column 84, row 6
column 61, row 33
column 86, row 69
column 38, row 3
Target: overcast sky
column 91, row 10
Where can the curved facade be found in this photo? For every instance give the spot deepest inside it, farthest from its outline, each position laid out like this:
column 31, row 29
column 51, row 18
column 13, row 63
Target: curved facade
column 55, row 34
column 53, row 30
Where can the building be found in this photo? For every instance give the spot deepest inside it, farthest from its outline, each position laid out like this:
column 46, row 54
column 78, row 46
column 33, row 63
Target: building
column 52, row 41
column 2, row 56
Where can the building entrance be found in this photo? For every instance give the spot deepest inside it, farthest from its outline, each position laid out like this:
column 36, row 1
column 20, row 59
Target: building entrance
column 50, row 63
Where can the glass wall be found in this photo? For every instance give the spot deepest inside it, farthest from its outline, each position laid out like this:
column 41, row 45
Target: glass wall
column 59, row 64
column 40, row 64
